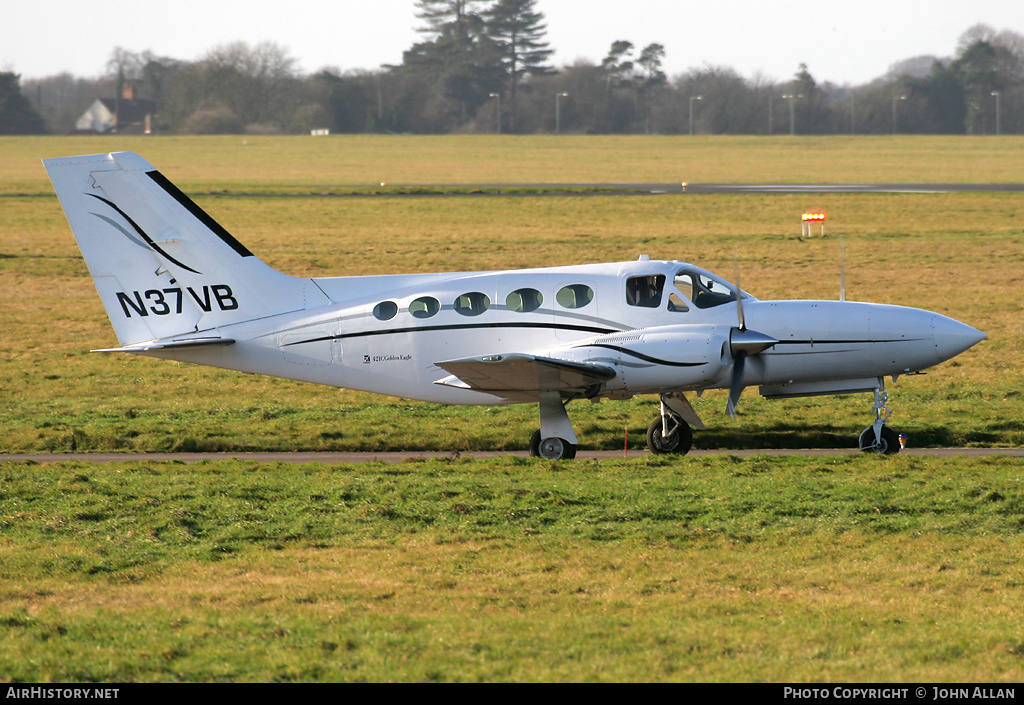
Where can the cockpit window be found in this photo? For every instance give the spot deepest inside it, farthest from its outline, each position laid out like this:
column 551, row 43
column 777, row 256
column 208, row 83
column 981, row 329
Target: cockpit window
column 699, row 289
column 645, row 291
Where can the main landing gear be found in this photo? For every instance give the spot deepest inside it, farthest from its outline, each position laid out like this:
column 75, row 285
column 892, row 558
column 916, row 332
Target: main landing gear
column 551, row 448
column 879, row 438
column 555, row 440
column 671, row 432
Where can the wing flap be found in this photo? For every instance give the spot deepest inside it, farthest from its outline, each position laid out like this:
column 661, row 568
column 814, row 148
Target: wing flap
column 522, row 377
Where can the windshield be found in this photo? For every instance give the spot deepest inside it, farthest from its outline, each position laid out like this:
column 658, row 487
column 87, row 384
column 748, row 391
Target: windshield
column 701, row 289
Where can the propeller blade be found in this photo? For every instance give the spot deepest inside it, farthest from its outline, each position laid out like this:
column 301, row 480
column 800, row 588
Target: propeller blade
column 736, row 388
column 743, row 343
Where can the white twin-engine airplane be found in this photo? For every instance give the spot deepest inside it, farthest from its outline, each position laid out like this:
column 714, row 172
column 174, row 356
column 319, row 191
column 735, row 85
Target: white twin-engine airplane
column 176, row 285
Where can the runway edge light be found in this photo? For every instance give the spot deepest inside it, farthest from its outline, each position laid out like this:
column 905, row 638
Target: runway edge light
column 813, row 217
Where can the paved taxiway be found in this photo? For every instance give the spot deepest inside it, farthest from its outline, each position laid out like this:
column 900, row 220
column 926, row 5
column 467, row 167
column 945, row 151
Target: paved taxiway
column 625, row 189
column 536, row 190
column 334, row 458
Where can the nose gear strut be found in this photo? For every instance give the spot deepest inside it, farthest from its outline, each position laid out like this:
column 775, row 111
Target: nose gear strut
column 879, row 438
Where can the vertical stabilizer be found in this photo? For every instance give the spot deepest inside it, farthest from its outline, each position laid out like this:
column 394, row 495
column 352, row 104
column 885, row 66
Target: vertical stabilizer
column 162, row 266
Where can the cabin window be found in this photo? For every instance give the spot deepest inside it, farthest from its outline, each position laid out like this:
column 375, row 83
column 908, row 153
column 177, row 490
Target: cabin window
column 424, row 307
column 472, row 304
column 385, row 310
column 645, row 291
column 574, row 296
column 524, row 300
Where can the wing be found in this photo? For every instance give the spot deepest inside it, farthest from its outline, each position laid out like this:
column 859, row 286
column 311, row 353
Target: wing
column 522, row 377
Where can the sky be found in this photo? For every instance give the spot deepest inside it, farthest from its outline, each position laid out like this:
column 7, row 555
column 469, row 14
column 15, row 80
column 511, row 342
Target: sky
column 841, row 42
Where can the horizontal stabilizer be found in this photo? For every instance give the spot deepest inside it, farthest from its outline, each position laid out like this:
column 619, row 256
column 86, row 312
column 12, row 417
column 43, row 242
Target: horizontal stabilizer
column 170, row 344
column 523, row 377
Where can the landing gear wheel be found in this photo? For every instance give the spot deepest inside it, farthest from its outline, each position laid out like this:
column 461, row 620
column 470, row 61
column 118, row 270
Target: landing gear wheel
column 678, row 441
column 551, row 448
column 888, row 443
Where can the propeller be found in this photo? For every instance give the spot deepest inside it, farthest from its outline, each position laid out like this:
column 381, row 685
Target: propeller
column 742, row 344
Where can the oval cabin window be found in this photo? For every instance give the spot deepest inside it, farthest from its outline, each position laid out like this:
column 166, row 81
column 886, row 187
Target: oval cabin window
column 472, row 304
column 574, row 296
column 524, row 300
column 424, row 307
column 385, row 310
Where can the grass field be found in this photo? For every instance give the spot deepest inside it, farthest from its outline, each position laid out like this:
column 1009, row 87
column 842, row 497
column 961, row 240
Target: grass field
column 844, row 569
column 835, row 569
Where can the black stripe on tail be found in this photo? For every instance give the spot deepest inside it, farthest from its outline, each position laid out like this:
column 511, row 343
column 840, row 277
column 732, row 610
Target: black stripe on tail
column 190, row 205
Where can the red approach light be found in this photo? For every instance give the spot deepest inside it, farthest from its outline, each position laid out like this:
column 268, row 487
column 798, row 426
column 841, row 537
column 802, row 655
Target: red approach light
column 815, row 216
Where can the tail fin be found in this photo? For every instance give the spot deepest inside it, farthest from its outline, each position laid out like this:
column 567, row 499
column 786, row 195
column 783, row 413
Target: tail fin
column 162, row 266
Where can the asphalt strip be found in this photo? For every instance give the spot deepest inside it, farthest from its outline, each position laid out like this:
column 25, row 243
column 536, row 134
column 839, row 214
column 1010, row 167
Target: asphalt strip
column 335, row 458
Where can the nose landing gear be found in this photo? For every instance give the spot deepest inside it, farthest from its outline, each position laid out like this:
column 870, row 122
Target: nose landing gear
column 670, row 432
column 879, row 438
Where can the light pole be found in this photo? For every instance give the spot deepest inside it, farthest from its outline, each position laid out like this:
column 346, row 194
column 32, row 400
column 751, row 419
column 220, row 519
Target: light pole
column 558, row 111
column 771, row 99
column 894, row 99
column 497, row 110
column 996, row 94
column 792, row 117
column 693, row 98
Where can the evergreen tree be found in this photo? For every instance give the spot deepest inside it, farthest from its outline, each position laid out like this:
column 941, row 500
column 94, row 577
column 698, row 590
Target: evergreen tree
column 456, row 18
column 619, row 87
column 654, row 78
column 17, row 116
column 650, row 61
column 978, row 68
column 458, row 61
column 617, row 65
column 517, row 30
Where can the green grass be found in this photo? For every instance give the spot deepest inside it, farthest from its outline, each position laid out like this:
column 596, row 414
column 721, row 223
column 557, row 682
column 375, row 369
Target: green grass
column 236, row 163
column 715, row 569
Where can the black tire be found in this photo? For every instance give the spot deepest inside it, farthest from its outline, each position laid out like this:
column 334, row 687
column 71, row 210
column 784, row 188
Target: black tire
column 680, row 441
column 551, row 448
column 535, row 444
column 888, row 443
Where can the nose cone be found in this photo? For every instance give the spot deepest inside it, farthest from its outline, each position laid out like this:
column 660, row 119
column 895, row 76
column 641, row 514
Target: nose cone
column 953, row 337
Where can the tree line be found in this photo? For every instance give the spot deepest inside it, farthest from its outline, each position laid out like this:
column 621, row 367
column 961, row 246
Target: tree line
column 484, row 66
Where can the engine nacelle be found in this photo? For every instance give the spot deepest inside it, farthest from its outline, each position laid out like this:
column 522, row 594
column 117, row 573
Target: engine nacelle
column 667, row 357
